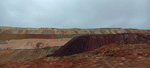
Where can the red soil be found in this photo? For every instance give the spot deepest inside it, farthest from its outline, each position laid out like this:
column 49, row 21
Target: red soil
column 135, row 55
column 90, row 42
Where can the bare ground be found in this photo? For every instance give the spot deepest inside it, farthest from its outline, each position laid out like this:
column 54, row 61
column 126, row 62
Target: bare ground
column 135, row 55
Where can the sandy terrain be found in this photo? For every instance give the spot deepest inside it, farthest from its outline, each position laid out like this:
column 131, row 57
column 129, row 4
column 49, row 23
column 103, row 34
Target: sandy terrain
column 33, row 43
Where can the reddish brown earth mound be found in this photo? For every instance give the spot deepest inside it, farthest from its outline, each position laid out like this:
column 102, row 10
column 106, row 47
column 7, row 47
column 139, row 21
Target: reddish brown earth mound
column 90, row 42
column 130, row 55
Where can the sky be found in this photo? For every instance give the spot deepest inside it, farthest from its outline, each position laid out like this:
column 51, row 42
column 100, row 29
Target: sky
column 75, row 13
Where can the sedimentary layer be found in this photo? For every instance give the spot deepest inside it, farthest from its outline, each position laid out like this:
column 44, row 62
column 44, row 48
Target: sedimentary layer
column 11, row 37
column 8, row 33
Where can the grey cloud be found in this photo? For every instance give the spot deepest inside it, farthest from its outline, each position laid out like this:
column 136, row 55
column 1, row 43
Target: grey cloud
column 76, row 13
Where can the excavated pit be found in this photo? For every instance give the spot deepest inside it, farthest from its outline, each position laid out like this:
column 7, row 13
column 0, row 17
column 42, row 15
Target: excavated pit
column 90, row 42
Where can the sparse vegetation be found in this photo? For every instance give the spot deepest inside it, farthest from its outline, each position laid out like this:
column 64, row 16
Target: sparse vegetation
column 3, row 42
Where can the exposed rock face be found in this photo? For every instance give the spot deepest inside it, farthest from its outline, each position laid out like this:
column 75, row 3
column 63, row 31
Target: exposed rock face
column 90, row 42
column 9, row 33
column 17, row 38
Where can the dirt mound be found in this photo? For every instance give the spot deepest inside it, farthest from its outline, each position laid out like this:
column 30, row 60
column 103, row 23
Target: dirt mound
column 130, row 55
column 90, row 42
column 27, row 38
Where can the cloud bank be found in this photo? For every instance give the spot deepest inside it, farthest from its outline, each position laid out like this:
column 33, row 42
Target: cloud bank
column 75, row 13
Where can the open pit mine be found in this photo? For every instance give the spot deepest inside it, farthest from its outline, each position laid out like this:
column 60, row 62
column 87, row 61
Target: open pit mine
column 74, row 48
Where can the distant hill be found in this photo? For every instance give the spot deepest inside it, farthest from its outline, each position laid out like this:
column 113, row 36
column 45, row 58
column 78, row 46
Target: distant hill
column 62, row 33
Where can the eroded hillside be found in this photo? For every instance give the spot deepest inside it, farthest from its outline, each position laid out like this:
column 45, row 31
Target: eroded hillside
column 96, row 48
column 29, row 38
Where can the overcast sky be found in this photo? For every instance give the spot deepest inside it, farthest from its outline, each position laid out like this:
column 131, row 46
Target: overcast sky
column 75, row 13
